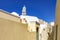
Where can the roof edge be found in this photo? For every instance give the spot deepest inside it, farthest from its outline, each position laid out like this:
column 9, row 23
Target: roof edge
column 8, row 13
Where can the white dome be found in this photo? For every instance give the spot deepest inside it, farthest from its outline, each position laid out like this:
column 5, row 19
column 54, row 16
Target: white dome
column 14, row 13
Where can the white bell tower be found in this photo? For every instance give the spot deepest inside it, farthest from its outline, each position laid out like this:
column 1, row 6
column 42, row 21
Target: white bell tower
column 24, row 21
column 24, row 11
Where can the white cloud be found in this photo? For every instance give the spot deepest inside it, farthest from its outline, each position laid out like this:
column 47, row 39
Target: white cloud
column 14, row 13
column 52, row 23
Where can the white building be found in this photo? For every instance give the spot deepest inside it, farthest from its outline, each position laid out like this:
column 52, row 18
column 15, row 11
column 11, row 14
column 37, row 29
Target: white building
column 30, row 20
column 44, row 27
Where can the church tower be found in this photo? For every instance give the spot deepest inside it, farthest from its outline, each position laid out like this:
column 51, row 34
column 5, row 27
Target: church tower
column 24, row 11
column 24, row 21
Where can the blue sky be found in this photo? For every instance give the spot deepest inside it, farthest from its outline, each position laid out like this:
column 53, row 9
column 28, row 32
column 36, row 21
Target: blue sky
column 43, row 9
